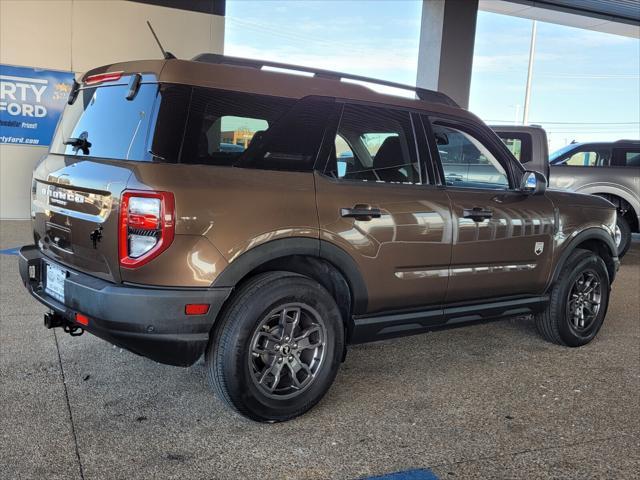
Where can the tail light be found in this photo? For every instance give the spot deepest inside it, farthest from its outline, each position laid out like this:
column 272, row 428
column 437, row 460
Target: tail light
column 147, row 226
column 103, row 77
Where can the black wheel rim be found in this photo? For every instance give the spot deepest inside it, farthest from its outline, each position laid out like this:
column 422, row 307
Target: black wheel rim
column 287, row 350
column 584, row 302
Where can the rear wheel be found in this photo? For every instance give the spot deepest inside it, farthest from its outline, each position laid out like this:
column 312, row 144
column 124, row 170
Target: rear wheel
column 625, row 236
column 277, row 348
column 578, row 302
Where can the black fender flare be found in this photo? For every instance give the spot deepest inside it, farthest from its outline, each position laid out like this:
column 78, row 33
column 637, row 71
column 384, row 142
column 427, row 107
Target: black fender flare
column 286, row 247
column 591, row 233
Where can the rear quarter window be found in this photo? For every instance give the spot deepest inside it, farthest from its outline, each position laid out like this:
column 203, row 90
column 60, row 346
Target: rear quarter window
column 254, row 131
column 519, row 144
column 626, row 157
column 223, row 125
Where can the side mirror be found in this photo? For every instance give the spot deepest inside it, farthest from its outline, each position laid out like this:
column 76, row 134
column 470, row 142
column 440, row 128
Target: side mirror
column 533, row 183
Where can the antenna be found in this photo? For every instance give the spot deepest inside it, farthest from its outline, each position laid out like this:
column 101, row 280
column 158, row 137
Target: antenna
column 166, row 55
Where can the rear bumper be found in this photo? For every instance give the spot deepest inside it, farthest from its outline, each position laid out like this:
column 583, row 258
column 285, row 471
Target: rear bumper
column 148, row 321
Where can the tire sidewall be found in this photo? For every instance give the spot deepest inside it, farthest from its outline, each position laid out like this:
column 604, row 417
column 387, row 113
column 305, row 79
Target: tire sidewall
column 583, row 263
column 625, row 232
column 244, row 320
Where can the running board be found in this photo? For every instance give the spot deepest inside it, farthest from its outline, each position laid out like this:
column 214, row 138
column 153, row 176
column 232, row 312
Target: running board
column 369, row 328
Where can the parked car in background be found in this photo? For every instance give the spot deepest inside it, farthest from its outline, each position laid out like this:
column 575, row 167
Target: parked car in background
column 528, row 144
column 608, row 169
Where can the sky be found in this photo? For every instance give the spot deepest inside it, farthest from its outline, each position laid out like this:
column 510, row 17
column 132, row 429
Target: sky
column 585, row 84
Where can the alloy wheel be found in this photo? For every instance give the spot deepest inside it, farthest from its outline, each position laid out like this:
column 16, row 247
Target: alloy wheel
column 583, row 303
column 287, row 350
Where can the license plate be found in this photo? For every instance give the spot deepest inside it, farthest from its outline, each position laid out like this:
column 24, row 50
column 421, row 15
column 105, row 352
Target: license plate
column 54, row 282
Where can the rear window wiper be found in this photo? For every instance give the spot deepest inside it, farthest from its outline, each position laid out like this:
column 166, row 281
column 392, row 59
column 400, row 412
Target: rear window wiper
column 79, row 144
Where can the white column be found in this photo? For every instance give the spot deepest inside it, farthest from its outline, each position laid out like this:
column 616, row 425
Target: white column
column 445, row 54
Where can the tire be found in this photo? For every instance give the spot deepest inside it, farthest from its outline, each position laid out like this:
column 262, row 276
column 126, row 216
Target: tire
column 556, row 323
column 625, row 236
column 254, row 322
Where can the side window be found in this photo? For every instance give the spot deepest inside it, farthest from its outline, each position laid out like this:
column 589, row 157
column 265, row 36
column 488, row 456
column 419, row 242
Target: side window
column 375, row 144
column 519, row 144
column 632, row 159
column 221, row 125
column 293, row 142
column 344, row 156
column 587, row 158
column 233, row 134
column 466, row 161
column 626, row 157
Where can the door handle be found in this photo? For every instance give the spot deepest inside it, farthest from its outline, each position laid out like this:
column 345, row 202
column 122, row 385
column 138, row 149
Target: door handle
column 363, row 213
column 477, row 214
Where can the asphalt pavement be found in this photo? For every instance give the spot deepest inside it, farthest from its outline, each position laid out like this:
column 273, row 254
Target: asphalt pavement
column 489, row 401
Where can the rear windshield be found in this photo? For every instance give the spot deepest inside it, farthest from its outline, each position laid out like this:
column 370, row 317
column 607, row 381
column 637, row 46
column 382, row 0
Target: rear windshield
column 103, row 123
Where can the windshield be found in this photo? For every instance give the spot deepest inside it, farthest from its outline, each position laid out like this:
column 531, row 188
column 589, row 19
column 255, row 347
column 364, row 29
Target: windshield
column 558, row 153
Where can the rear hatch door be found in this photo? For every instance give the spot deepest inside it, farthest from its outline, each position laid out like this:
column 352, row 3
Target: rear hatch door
column 75, row 211
column 77, row 187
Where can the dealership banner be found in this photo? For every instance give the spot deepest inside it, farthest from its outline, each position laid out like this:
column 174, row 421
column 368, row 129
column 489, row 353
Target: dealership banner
column 31, row 101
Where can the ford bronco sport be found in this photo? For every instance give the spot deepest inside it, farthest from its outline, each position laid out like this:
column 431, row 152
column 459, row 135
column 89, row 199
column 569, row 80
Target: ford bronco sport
column 342, row 218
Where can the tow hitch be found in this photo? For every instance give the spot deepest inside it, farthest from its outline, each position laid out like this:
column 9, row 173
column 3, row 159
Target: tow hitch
column 55, row 320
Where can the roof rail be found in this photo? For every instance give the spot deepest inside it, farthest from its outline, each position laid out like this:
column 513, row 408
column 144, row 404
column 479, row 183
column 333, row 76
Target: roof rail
column 421, row 93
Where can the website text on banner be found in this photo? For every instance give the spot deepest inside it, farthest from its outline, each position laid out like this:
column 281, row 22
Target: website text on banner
column 31, row 101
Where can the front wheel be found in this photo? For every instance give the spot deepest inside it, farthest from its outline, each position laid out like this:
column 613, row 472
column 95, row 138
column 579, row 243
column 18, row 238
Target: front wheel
column 578, row 302
column 277, row 348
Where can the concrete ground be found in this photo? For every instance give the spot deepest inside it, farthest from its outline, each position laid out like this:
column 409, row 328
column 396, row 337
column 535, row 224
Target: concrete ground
column 489, row 401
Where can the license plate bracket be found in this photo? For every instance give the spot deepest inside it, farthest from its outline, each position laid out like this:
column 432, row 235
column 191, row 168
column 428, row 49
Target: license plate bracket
column 54, row 282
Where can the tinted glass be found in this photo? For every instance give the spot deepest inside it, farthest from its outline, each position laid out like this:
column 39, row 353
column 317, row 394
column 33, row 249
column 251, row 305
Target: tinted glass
column 222, row 125
column 633, row 159
column 292, row 143
column 103, row 123
column 626, row 157
column 466, row 161
column 375, row 144
column 169, row 122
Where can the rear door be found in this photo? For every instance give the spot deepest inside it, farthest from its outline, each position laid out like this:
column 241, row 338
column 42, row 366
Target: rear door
column 502, row 238
column 375, row 201
column 77, row 187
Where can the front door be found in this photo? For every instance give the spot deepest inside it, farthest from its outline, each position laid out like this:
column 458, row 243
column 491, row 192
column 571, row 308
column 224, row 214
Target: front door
column 376, row 203
column 502, row 238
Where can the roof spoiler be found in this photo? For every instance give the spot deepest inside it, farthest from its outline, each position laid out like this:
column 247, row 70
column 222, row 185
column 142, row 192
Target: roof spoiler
column 422, row 93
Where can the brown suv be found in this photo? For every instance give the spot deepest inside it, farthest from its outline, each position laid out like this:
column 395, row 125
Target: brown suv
column 268, row 219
